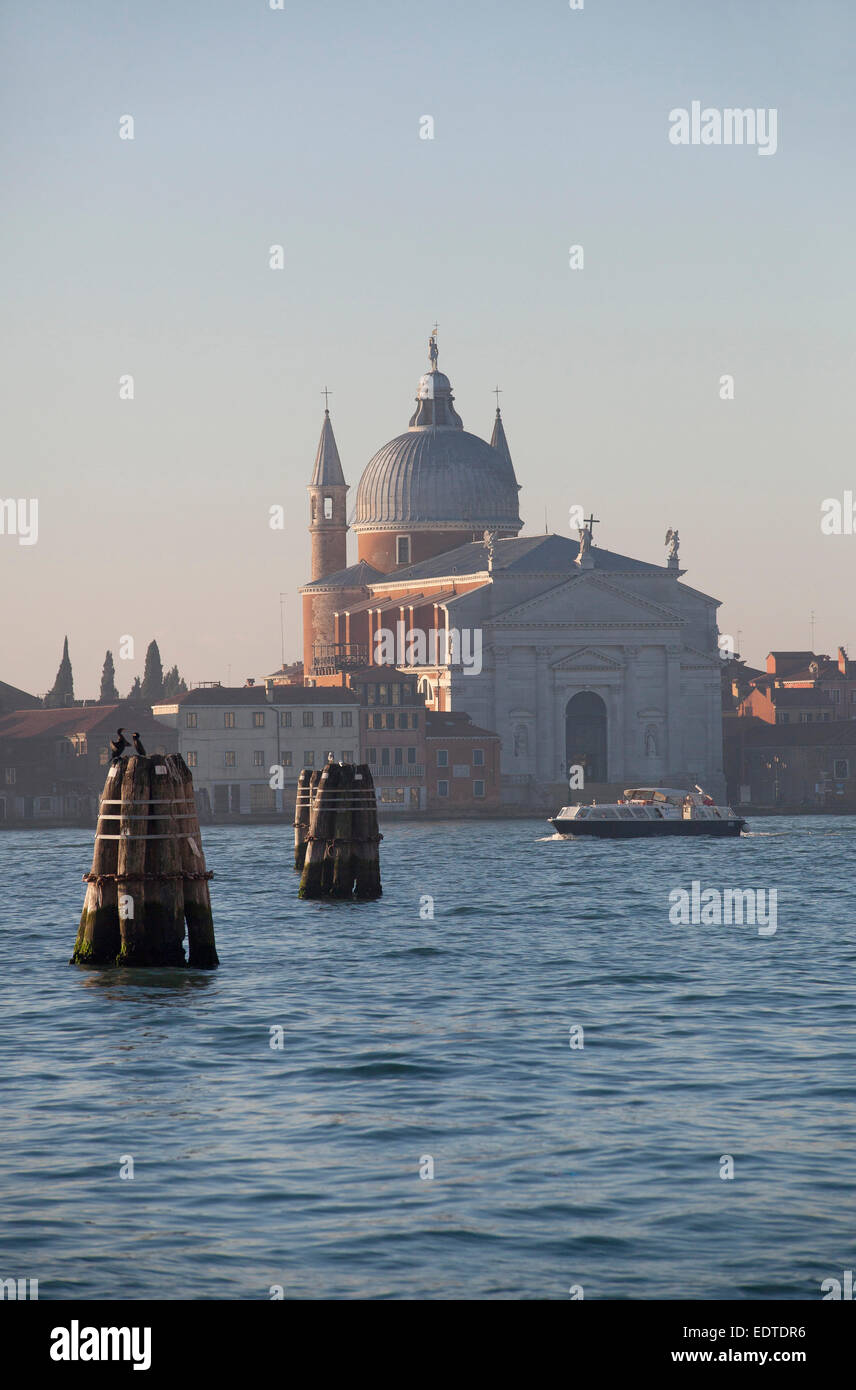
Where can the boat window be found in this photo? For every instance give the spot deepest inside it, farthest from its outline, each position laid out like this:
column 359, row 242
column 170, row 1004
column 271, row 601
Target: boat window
column 639, row 812
column 581, row 813
column 625, row 813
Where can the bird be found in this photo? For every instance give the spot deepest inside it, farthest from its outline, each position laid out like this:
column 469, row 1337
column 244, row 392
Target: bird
column 138, row 745
column 118, row 745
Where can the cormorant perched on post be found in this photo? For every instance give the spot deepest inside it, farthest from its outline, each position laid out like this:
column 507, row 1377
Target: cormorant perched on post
column 138, row 746
column 118, row 745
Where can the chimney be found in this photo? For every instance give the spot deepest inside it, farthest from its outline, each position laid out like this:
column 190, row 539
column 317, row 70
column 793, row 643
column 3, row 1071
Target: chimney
column 842, row 660
column 249, row 682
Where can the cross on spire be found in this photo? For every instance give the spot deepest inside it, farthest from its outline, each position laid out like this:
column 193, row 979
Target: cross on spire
column 325, row 393
column 591, row 521
column 497, row 393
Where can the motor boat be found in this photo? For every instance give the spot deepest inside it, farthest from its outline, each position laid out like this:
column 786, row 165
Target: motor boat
column 649, row 811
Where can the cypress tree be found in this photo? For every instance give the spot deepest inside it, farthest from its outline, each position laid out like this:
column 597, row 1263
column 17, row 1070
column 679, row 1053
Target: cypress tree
column 134, row 692
column 152, row 688
column 62, row 692
column 109, row 694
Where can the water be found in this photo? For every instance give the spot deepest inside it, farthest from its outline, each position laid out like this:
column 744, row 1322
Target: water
column 405, row 1038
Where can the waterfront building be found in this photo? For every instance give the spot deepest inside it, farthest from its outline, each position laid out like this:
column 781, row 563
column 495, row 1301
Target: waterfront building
column 572, row 654
column 802, row 688
column 53, row 762
column 238, row 740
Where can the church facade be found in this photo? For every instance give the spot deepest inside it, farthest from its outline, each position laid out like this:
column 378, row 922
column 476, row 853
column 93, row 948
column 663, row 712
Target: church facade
column 579, row 658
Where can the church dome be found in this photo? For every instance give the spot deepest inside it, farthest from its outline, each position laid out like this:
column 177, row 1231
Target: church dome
column 437, row 475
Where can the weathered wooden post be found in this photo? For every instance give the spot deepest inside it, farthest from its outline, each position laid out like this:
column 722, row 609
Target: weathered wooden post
column 302, row 810
column 367, row 838
column 148, row 871
column 317, row 870
column 98, row 937
column 342, row 848
column 202, row 949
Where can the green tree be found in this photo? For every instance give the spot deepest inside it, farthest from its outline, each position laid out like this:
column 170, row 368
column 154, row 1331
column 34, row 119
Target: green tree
column 62, row 692
column 152, row 688
column 134, row 692
column 109, row 694
column 173, row 684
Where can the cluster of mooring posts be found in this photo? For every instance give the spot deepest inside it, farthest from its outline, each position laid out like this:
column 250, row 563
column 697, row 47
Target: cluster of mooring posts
column 148, row 872
column 336, row 839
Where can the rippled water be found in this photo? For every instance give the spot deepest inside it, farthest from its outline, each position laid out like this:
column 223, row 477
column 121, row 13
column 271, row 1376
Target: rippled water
column 405, row 1038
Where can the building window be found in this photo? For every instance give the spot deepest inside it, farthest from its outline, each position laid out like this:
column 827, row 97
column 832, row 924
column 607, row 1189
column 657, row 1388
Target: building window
column 327, row 718
column 384, row 757
column 258, row 757
column 478, row 788
column 313, row 508
column 308, row 718
column 442, row 788
column 383, row 693
column 371, row 695
column 285, row 718
column 442, row 757
column 411, row 755
column 389, row 721
column 347, row 718
column 192, row 758
column 836, row 697
column 377, row 721
column 229, row 759
column 308, row 758
column 190, row 721
column 402, row 721
column 414, row 721
column 328, row 508
column 395, row 691
column 286, row 758
column 10, row 776
column 228, row 720
column 348, row 755
column 478, row 757
column 258, row 719
column 402, row 550
column 842, row 767
column 371, row 754
column 399, row 755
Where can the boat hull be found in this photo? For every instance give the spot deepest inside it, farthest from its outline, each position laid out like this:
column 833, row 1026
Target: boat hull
column 636, row 829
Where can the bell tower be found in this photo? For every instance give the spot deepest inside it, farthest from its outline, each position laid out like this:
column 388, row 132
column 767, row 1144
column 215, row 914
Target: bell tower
column 328, row 517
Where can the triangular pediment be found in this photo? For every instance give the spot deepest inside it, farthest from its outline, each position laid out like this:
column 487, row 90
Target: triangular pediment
column 587, row 659
column 589, row 599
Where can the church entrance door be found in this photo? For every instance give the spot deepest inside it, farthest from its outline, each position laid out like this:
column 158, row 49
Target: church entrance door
column 585, row 735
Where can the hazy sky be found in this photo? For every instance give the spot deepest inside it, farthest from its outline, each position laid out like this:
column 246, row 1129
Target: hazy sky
column 301, row 127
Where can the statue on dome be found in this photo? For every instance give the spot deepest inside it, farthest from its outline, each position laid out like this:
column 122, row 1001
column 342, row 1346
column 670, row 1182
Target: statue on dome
column 433, row 351
column 672, row 540
column 489, row 541
column 585, row 542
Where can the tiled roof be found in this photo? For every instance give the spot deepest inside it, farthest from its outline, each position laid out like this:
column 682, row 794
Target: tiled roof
column 11, row 698
column 834, row 733
column 520, row 555
column 454, row 724
column 76, row 719
column 357, row 576
column 255, row 695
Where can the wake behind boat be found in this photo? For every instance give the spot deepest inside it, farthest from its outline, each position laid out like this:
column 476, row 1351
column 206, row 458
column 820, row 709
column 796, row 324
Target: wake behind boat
column 649, row 811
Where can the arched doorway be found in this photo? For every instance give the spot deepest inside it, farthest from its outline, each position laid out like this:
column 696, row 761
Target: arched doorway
column 585, row 735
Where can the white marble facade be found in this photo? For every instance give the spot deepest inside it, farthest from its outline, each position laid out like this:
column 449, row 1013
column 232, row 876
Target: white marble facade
column 640, row 640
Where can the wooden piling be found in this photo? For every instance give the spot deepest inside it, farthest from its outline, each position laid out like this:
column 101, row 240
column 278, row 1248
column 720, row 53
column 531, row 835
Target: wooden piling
column 148, row 863
column 341, row 858
column 367, row 838
column 98, row 937
column 302, row 810
column 202, row 950
column 341, row 851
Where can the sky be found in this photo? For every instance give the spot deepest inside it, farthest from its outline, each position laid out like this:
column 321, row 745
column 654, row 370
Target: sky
column 255, row 127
